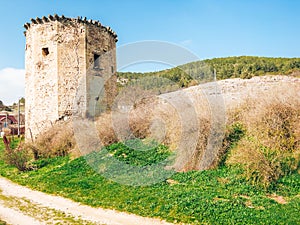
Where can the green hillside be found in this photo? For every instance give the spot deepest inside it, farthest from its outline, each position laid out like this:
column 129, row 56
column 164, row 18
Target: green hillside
column 230, row 67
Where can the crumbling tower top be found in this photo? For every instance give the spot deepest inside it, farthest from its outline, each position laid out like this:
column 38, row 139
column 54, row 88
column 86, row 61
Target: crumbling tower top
column 64, row 19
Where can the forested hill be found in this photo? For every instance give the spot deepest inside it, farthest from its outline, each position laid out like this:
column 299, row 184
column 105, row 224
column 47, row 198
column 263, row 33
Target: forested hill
column 230, row 67
column 3, row 107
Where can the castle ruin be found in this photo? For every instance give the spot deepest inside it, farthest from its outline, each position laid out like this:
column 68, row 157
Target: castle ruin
column 70, row 63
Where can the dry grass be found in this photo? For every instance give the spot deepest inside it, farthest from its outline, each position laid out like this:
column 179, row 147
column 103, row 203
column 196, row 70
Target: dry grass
column 104, row 126
column 57, row 141
column 181, row 124
column 271, row 147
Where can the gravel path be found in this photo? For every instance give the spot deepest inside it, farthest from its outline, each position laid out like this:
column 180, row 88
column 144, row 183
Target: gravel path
column 21, row 205
column 12, row 216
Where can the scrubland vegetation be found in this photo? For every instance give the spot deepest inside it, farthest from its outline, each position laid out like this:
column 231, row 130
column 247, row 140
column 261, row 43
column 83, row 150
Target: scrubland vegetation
column 257, row 175
column 254, row 179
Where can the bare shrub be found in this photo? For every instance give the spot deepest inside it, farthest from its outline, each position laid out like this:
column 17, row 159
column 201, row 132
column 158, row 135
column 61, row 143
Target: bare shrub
column 257, row 167
column 194, row 162
column 18, row 157
column 279, row 126
column 105, row 129
column 57, row 141
column 140, row 117
column 161, row 119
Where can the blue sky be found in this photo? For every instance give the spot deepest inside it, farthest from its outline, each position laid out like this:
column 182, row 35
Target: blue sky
column 208, row 28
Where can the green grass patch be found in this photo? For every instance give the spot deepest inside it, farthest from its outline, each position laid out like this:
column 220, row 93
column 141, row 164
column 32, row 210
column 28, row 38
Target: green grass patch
column 2, row 222
column 218, row 196
column 139, row 153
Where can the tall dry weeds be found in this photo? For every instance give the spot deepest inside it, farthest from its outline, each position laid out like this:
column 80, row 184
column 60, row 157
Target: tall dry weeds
column 57, row 141
column 181, row 123
column 271, row 146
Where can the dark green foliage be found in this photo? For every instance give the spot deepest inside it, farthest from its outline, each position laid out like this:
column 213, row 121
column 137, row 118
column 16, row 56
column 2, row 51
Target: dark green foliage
column 22, row 100
column 249, row 66
column 135, row 152
column 233, row 134
column 134, row 162
column 4, row 107
column 230, row 67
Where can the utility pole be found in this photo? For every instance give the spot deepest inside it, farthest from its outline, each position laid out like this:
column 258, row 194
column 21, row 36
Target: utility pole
column 215, row 75
column 6, row 120
column 215, row 80
column 19, row 118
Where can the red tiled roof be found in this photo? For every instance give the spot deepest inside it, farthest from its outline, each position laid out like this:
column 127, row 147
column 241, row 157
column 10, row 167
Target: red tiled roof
column 10, row 117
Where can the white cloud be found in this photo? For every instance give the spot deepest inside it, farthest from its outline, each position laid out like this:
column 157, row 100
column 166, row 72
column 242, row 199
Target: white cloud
column 12, row 85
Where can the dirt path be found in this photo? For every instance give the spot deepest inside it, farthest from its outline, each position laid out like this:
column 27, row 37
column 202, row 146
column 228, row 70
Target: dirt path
column 21, row 205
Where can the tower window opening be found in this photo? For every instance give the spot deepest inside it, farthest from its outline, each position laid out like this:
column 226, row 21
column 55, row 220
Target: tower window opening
column 45, row 51
column 96, row 61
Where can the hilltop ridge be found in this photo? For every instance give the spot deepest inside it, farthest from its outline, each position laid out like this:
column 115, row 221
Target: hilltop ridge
column 193, row 73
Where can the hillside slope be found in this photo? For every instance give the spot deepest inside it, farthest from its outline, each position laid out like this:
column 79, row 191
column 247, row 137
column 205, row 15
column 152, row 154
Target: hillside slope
column 229, row 67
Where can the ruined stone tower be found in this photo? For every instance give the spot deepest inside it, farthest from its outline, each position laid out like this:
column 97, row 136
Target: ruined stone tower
column 70, row 64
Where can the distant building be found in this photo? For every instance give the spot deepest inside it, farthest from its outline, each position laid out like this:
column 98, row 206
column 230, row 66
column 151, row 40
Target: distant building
column 7, row 120
column 10, row 123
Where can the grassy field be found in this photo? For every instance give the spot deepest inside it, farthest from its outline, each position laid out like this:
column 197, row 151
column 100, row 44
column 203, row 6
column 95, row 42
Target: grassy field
column 218, row 196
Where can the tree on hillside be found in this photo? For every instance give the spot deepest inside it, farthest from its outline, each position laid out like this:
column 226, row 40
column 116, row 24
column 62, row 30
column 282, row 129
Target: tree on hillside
column 22, row 100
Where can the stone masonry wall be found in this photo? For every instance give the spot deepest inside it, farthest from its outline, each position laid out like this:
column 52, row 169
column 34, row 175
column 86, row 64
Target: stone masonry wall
column 41, row 79
column 101, row 91
column 71, row 68
column 61, row 78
